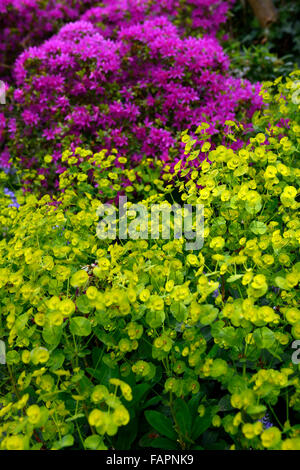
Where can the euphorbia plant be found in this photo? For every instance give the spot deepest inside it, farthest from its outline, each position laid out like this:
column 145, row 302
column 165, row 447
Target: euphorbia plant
column 131, row 343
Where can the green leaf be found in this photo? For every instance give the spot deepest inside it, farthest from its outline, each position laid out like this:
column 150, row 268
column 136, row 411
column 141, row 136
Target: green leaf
column 102, row 373
column 183, row 418
column 155, row 319
column 139, row 393
column 220, row 445
column 208, row 314
column 66, row 441
column 73, row 418
column 152, row 401
column 200, row 425
column 12, row 357
column 52, row 335
column 127, row 435
column 232, row 336
column 264, row 337
column 56, row 360
column 193, row 403
column 219, row 367
column 21, row 322
column 214, row 351
column 109, row 362
column 95, row 373
column 80, row 326
column 237, row 384
column 225, row 403
column 256, row 411
column 254, row 206
column 157, row 442
column 296, row 267
column 234, row 278
column 179, row 311
column 161, row 424
column 83, row 304
column 241, row 170
column 259, row 228
column 282, row 283
column 85, row 385
column 209, row 439
column 95, row 442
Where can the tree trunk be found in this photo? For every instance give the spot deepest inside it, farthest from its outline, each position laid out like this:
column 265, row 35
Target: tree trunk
column 264, row 11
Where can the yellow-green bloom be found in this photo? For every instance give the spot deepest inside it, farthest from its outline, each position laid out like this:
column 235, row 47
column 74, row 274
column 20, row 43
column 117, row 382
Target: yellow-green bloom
column 79, row 279
column 271, row 437
column 34, row 414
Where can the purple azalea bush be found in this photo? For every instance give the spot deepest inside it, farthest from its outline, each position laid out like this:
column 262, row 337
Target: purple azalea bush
column 135, row 92
column 25, row 23
column 191, row 15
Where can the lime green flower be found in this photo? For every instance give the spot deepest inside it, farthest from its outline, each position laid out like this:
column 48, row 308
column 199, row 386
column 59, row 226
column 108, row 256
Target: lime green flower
column 34, row 414
column 271, row 437
column 79, row 279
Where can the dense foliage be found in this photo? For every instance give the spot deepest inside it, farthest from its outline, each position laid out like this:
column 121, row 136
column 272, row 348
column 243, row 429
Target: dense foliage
column 264, row 54
column 139, row 343
column 123, row 339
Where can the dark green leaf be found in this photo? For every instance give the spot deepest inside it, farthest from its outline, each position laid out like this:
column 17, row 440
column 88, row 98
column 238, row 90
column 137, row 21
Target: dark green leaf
column 157, row 442
column 161, row 424
column 80, row 326
column 183, row 418
column 200, row 425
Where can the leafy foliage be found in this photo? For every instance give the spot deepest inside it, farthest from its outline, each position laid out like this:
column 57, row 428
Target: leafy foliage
column 259, row 54
column 139, row 343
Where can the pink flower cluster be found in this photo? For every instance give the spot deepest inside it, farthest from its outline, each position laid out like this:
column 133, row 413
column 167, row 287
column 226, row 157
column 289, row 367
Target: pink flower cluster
column 25, row 23
column 135, row 92
column 190, row 15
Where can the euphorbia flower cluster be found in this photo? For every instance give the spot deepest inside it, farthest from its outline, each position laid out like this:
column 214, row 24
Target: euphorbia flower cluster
column 121, row 333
